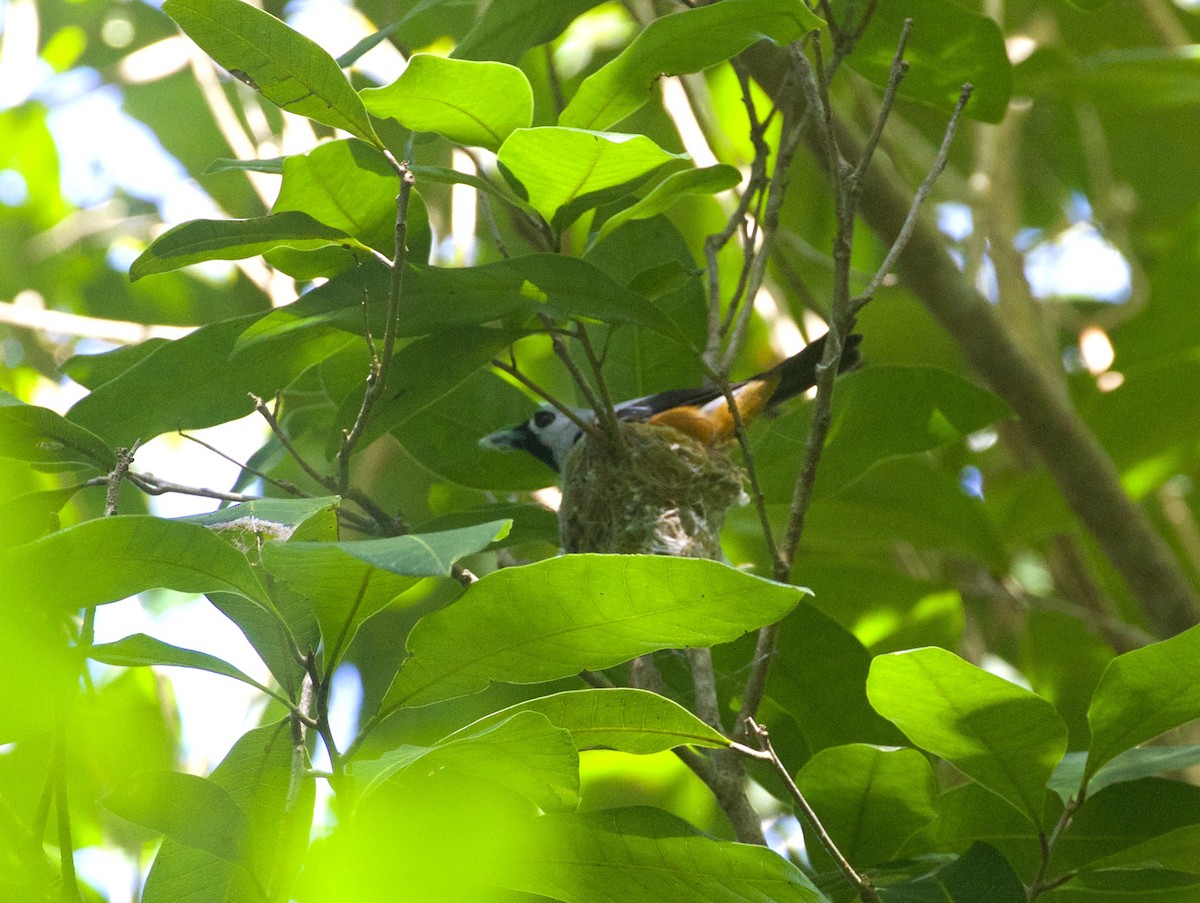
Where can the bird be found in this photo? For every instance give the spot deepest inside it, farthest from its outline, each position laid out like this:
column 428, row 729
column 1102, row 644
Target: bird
column 701, row 412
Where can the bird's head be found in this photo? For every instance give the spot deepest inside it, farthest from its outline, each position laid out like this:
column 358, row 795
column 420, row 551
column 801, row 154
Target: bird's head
column 548, row 435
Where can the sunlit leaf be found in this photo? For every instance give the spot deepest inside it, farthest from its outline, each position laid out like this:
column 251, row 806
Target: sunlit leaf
column 686, row 41
column 561, row 165
column 111, row 558
column 507, row 28
column 628, row 720
column 675, row 187
column 192, row 811
column 578, row 612
column 870, row 800
column 646, row 854
column 467, row 102
column 140, row 650
column 522, row 751
column 1142, row 694
column 966, row 715
column 283, row 65
column 233, row 239
column 1131, row 765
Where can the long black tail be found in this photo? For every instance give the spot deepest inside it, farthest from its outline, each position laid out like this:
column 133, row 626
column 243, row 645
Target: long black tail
column 799, row 372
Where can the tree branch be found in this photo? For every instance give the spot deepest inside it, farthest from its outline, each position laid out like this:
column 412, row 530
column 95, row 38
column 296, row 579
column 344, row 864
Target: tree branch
column 1078, row 462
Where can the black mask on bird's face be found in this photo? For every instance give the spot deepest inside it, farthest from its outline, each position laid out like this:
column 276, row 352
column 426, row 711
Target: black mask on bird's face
column 548, row 435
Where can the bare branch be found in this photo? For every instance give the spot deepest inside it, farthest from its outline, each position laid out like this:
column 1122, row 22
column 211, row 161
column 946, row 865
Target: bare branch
column 910, row 221
column 866, row 891
column 117, row 474
column 380, row 366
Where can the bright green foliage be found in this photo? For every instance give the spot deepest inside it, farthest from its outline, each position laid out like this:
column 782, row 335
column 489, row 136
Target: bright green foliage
column 472, row 103
column 964, row 696
column 966, row 716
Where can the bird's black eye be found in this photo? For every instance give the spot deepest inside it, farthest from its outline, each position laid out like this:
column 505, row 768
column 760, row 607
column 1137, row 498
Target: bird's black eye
column 543, row 419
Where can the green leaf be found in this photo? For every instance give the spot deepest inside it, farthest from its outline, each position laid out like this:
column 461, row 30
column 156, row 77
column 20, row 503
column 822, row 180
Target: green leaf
column 522, row 751
column 1123, row 816
column 971, row 718
column 233, row 239
column 467, row 102
column 1177, row 850
column 675, row 187
column 507, row 28
column 261, row 778
column 347, row 185
column 687, row 41
column 140, row 650
column 558, row 617
column 949, row 46
column 819, row 677
column 273, row 166
column 646, row 854
column 427, row 371
column 39, row 435
column 631, row 721
column 870, row 800
column 273, row 518
column 1142, row 694
column 195, row 382
column 1131, row 765
column 112, row 558
column 189, row 809
column 560, row 165
column 348, row 582
column 886, row 412
column 284, row 66
column 24, row 518
column 982, row 873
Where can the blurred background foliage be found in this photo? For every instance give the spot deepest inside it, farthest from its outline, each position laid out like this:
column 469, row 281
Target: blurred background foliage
column 1078, row 215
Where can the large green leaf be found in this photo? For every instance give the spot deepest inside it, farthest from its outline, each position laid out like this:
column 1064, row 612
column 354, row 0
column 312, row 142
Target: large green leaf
column 982, row 873
column 557, row 617
column 628, row 720
column 949, row 46
column 880, row 413
column 140, row 650
column 646, row 854
column 112, row 558
column 467, row 102
column 1142, row 694
column 674, row 188
column 687, row 41
column 522, row 751
column 1131, row 765
column 276, row 793
column 870, row 800
column 348, row 582
column 971, row 718
column 347, row 185
column 195, row 383
column 1177, row 850
column 39, row 435
column 192, row 811
column 560, row 165
column 233, row 239
column 507, row 28
column 284, row 66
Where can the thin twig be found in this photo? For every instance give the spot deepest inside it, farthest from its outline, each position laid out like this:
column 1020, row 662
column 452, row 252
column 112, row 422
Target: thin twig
column 124, row 457
column 380, row 366
column 284, row 485
column 922, row 193
column 512, row 370
column 866, row 891
column 896, row 75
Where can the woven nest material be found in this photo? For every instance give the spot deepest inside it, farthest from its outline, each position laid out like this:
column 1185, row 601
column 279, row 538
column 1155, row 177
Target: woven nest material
column 663, row 494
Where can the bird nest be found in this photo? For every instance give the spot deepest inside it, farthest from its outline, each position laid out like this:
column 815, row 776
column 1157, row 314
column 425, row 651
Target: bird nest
column 663, row 493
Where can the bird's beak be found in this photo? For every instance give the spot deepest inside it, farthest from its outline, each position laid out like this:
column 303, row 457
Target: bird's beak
column 502, row 440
